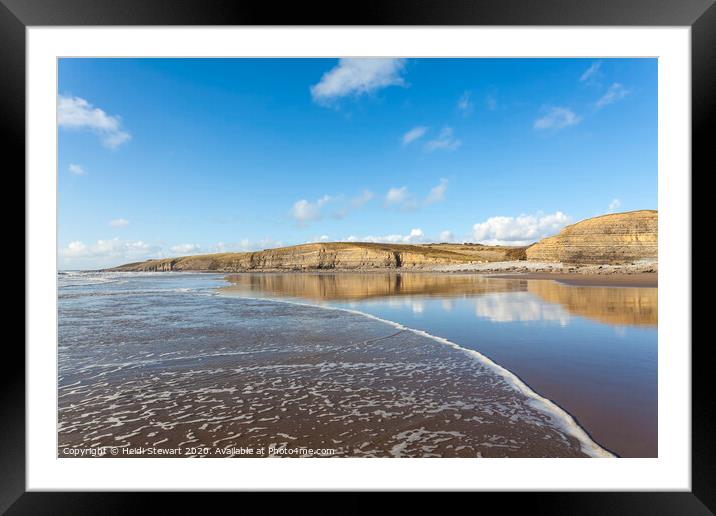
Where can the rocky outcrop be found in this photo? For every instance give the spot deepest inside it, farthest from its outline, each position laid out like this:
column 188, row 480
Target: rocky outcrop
column 610, row 239
column 618, row 238
column 335, row 256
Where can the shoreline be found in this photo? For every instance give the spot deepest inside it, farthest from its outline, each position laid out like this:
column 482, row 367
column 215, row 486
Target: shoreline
column 563, row 418
column 628, row 275
column 648, row 280
column 357, row 382
column 251, row 362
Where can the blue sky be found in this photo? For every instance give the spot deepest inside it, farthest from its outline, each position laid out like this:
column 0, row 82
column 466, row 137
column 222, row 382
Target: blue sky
column 165, row 157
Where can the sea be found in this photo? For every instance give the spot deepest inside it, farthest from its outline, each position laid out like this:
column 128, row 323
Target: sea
column 301, row 365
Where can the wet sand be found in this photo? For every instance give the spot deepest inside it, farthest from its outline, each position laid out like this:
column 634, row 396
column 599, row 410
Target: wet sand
column 288, row 380
column 593, row 280
column 590, row 347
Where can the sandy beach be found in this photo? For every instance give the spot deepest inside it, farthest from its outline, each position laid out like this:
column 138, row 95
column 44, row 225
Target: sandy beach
column 592, row 280
column 284, row 377
column 582, row 344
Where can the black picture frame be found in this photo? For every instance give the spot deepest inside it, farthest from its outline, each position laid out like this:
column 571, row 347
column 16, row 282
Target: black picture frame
column 700, row 15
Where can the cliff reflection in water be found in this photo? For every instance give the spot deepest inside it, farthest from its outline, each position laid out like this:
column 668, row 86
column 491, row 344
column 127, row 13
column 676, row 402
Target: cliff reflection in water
column 609, row 305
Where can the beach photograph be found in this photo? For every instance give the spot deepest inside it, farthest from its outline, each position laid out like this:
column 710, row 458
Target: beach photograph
column 357, row 257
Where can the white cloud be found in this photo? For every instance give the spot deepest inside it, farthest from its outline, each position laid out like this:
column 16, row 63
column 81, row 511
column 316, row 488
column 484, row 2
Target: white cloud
column 118, row 223
column 415, row 236
column 75, row 248
column 447, row 236
column 464, row 104
column 77, row 113
column 104, row 252
column 304, row 211
column 557, row 118
column 77, row 170
column 445, row 141
column 414, row 134
column 362, row 199
column 403, row 198
column 614, row 205
column 521, row 230
column 437, row 193
column 185, row 249
column 323, row 200
column 592, row 72
column 396, row 196
column 354, row 76
column 109, row 253
column 615, row 93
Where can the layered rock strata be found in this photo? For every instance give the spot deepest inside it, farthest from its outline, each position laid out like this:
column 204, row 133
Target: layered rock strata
column 616, row 238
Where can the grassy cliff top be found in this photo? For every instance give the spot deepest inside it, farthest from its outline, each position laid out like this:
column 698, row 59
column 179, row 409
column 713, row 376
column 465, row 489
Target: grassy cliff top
column 326, row 255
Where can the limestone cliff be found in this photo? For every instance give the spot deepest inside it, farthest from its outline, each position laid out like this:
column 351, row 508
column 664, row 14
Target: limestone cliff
column 334, row 256
column 609, row 239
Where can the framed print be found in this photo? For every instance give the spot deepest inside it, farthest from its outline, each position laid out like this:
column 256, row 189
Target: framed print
column 419, row 249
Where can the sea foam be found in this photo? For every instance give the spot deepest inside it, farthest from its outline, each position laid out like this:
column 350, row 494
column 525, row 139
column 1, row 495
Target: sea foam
column 560, row 417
